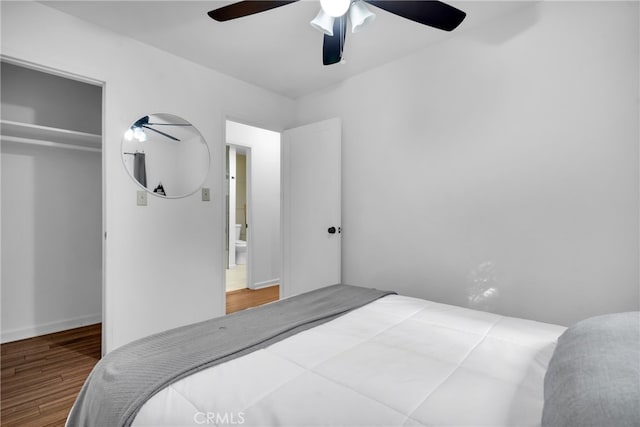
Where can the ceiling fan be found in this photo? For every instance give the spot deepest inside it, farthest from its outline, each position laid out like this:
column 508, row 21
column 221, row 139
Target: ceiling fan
column 136, row 130
column 332, row 18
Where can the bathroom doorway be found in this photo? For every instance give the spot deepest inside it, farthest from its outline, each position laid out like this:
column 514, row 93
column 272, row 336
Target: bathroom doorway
column 252, row 226
column 238, row 158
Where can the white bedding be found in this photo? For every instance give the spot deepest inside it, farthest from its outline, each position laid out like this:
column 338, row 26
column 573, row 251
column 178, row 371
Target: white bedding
column 398, row 361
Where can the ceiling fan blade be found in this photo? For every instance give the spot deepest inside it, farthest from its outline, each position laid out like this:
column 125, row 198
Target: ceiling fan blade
column 170, row 124
column 244, row 8
column 432, row 13
column 161, row 133
column 333, row 46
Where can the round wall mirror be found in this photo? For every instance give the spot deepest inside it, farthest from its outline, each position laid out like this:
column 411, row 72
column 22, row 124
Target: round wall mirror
column 166, row 155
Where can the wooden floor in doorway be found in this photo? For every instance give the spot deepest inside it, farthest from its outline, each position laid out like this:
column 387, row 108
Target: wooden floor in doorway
column 42, row 376
column 242, row 299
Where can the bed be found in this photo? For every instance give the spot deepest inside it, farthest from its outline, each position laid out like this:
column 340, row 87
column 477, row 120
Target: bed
column 380, row 360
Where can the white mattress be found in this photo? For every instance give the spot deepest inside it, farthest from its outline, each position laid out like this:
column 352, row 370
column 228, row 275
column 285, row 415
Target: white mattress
column 398, row 361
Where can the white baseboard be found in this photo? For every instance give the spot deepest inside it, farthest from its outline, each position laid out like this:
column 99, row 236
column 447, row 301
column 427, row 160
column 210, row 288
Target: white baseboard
column 48, row 328
column 264, row 284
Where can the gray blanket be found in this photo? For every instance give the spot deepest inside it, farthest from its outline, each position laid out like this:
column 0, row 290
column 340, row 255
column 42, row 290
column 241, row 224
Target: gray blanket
column 127, row 377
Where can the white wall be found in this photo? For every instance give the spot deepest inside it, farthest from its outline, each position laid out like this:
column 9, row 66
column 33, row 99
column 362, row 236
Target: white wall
column 264, row 200
column 164, row 262
column 515, row 149
column 51, row 239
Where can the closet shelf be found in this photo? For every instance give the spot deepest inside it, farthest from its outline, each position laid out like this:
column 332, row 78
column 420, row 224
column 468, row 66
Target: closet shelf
column 25, row 132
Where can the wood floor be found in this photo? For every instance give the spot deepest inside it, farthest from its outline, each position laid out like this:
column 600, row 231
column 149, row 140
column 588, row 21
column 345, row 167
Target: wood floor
column 42, row 376
column 246, row 298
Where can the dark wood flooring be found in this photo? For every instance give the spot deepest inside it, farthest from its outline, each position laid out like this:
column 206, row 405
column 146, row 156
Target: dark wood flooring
column 42, row 376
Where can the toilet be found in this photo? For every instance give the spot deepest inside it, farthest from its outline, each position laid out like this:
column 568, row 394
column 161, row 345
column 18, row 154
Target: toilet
column 241, row 247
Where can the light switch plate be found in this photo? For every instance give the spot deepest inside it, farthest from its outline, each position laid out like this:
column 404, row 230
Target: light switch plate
column 141, row 198
column 206, row 195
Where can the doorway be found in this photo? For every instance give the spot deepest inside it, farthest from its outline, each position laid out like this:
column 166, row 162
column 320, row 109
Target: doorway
column 252, row 226
column 238, row 158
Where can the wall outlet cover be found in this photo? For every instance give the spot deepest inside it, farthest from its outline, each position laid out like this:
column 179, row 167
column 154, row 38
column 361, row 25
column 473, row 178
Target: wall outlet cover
column 141, row 198
column 206, row 195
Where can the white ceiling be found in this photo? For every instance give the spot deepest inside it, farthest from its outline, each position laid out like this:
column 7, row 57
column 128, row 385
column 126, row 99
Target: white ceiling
column 277, row 50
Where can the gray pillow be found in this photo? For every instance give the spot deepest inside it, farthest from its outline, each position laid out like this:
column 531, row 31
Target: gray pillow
column 593, row 378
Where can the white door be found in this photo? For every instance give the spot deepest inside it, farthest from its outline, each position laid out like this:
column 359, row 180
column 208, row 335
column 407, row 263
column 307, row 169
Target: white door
column 311, row 207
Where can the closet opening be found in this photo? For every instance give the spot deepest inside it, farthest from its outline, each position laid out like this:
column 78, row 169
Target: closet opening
column 52, row 201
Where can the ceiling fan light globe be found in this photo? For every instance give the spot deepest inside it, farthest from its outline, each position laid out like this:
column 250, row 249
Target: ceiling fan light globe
column 139, row 134
column 128, row 135
column 360, row 16
column 335, row 8
column 323, row 22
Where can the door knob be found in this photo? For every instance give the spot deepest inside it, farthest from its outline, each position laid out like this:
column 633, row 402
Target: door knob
column 332, row 230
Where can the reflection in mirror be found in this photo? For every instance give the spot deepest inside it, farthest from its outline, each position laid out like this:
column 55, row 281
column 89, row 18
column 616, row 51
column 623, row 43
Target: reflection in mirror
column 166, row 155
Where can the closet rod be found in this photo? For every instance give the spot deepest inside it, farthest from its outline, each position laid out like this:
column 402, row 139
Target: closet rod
column 49, row 144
